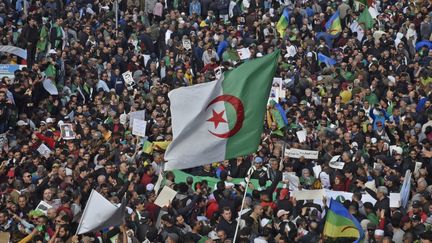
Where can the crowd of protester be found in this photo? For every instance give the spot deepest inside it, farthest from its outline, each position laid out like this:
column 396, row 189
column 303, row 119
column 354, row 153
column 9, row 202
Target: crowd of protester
column 375, row 97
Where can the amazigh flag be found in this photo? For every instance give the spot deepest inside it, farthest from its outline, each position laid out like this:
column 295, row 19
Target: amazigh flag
column 341, row 224
column 325, row 59
column 283, row 22
column 333, row 25
column 222, row 119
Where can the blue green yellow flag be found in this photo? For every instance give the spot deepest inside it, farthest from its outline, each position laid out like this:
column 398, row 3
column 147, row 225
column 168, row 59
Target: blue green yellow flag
column 333, row 25
column 283, row 22
column 341, row 224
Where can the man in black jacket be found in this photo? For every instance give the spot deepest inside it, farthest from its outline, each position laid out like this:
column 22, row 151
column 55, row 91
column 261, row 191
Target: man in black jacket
column 226, row 223
column 28, row 40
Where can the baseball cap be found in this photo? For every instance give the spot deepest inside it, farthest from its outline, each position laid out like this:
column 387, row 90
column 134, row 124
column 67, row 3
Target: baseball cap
column 149, row 187
column 258, row 159
column 22, row 123
column 281, row 213
column 49, row 120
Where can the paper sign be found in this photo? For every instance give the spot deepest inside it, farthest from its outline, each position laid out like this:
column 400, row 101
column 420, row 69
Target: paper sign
column 140, row 115
column 297, row 153
column 417, row 167
column 128, row 78
column 394, row 200
column 309, row 194
column 277, row 82
column 335, row 164
column 218, row 72
column 187, row 44
column 44, row 150
column 244, row 53
column 274, row 94
column 139, row 127
column 165, row 197
column 301, row 135
column 67, row 132
column 325, row 180
column 43, row 206
column 317, row 169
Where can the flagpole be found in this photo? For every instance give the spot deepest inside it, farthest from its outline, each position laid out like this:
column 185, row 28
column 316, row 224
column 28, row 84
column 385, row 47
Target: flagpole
column 282, row 157
column 250, row 171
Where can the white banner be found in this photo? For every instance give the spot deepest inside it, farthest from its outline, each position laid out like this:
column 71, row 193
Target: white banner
column 14, row 50
column 297, row 153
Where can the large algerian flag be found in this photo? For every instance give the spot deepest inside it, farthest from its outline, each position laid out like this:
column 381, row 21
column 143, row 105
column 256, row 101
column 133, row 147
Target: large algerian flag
column 222, row 119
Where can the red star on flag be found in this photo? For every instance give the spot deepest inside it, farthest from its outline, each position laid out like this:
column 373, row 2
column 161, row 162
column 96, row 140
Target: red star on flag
column 217, row 118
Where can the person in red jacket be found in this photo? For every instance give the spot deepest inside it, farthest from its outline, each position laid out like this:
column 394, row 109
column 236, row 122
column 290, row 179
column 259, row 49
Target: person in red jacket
column 50, row 140
column 147, row 178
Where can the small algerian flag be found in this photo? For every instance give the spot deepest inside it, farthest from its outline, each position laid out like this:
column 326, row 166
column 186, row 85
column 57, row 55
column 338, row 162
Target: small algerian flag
column 222, row 119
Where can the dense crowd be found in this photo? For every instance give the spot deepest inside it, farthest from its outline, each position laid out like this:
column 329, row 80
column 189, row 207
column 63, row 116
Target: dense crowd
column 372, row 108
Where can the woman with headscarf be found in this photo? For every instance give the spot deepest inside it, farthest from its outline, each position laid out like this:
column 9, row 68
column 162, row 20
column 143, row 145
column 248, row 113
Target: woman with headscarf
column 307, row 180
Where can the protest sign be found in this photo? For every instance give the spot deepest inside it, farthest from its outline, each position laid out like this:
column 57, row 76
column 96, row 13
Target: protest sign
column 67, row 132
column 139, row 127
column 165, row 197
column 301, row 135
column 244, row 53
column 44, row 150
column 297, row 153
column 139, row 115
column 335, row 163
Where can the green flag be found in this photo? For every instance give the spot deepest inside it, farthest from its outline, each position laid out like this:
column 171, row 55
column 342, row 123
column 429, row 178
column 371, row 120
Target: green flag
column 365, row 19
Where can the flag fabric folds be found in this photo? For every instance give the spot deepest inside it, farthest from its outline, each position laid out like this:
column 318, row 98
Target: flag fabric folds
column 222, row 119
column 405, row 189
column 100, row 213
column 283, row 23
column 365, row 19
column 341, row 224
column 333, row 25
column 282, row 113
column 325, row 59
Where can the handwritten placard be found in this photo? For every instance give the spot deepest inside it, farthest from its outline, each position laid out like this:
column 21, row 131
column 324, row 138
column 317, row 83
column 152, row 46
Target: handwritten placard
column 139, row 128
column 297, row 153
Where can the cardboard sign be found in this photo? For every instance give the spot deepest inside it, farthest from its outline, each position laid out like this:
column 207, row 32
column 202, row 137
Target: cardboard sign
column 297, row 153
column 165, row 197
column 139, row 127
